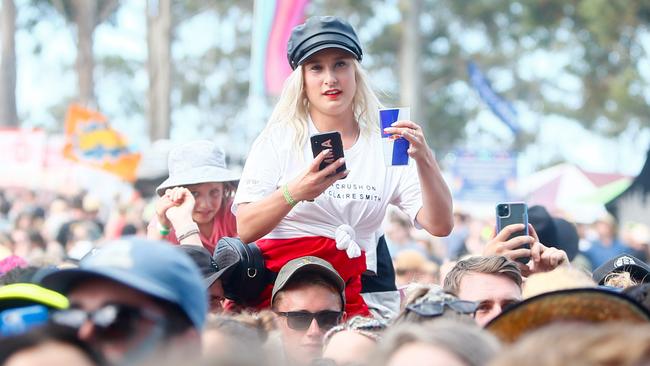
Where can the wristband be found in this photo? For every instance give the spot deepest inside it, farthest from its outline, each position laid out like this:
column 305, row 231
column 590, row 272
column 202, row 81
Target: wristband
column 164, row 230
column 187, row 232
column 287, row 196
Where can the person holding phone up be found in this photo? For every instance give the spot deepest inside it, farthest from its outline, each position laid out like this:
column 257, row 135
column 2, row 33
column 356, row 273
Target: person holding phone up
column 291, row 207
column 537, row 256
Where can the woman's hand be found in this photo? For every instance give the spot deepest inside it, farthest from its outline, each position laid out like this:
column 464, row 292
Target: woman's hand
column 411, row 131
column 313, row 182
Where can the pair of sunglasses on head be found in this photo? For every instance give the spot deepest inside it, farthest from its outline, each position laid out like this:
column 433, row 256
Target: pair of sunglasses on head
column 436, row 308
column 112, row 322
column 301, row 320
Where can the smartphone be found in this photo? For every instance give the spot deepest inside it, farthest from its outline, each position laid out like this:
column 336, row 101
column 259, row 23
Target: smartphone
column 509, row 213
column 328, row 140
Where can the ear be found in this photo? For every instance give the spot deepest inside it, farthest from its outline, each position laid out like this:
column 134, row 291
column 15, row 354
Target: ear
column 344, row 318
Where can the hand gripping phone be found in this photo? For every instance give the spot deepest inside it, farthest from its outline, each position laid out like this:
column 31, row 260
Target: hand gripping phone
column 328, row 140
column 509, row 213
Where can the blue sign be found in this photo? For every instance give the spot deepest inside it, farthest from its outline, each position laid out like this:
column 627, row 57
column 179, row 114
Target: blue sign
column 484, row 176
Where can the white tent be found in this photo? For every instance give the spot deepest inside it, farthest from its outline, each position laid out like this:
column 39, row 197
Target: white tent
column 561, row 189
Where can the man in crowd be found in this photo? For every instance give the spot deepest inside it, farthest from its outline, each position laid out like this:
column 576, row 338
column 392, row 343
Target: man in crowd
column 308, row 299
column 134, row 299
column 492, row 281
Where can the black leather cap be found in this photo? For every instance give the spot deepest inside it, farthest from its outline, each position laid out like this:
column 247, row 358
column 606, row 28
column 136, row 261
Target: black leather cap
column 319, row 33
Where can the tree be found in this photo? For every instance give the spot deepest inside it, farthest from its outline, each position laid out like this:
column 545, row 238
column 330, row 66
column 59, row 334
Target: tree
column 86, row 15
column 8, row 114
column 602, row 39
column 159, row 31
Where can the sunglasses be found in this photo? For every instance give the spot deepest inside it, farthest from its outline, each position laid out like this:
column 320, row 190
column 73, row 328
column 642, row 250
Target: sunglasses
column 436, row 308
column 301, row 320
column 112, row 322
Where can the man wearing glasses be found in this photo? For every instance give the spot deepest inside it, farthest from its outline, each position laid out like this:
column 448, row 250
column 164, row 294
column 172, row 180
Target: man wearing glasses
column 308, row 299
column 134, row 299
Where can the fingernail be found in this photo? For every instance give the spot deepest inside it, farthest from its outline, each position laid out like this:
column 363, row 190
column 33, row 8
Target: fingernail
column 393, row 124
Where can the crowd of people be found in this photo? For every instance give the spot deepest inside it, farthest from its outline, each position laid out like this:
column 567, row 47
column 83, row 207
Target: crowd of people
column 299, row 261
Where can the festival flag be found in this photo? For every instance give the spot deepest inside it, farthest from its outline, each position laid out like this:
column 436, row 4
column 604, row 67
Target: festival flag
column 499, row 106
column 90, row 140
column 273, row 22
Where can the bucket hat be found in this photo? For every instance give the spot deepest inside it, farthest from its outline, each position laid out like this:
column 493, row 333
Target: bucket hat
column 196, row 162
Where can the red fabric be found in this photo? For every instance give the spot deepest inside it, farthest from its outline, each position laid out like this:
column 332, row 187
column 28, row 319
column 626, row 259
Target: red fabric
column 224, row 224
column 277, row 252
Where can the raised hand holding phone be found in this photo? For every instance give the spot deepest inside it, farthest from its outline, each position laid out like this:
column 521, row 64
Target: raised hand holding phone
column 512, row 228
column 328, row 141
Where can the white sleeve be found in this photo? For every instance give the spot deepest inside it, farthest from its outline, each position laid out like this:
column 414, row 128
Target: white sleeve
column 408, row 194
column 261, row 173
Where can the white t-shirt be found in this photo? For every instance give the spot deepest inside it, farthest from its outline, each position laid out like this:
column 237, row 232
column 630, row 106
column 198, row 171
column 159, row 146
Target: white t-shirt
column 360, row 200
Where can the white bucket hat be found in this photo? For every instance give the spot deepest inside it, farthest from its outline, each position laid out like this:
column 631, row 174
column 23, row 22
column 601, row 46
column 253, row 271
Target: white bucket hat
column 195, row 162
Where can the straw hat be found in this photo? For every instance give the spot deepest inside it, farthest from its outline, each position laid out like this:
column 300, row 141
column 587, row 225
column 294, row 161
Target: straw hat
column 588, row 305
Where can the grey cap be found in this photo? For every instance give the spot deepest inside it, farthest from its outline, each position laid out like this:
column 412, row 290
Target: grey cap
column 308, row 264
column 196, row 162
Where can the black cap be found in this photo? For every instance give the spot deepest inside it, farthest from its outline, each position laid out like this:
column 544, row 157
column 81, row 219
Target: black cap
column 319, row 33
column 553, row 231
column 210, row 270
column 638, row 269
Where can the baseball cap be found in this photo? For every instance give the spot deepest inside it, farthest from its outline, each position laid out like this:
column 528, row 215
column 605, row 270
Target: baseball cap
column 153, row 267
column 210, row 270
column 319, row 33
column 25, row 294
column 591, row 305
column 638, row 269
column 295, row 267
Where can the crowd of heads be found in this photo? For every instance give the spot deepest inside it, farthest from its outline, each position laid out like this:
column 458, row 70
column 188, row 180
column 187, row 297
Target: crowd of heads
column 165, row 281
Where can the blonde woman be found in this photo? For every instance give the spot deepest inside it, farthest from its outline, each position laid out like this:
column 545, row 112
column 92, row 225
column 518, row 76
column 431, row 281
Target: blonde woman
column 293, row 209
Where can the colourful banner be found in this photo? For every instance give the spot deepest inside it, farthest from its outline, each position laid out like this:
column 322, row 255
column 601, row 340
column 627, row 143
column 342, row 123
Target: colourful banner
column 273, row 22
column 90, row 140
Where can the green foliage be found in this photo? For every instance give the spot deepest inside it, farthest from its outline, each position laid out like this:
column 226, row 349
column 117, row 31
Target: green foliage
column 596, row 43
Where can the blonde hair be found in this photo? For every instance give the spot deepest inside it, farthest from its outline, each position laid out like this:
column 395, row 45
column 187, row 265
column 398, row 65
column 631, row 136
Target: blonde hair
column 580, row 344
column 292, row 109
column 561, row 278
column 467, row 342
column 620, row 280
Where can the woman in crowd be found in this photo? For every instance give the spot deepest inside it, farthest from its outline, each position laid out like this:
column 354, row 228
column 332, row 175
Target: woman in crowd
column 197, row 168
column 293, row 209
column 353, row 342
column 447, row 342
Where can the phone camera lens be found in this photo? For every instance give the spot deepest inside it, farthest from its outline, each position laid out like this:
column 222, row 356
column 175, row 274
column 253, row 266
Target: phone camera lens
column 503, row 210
